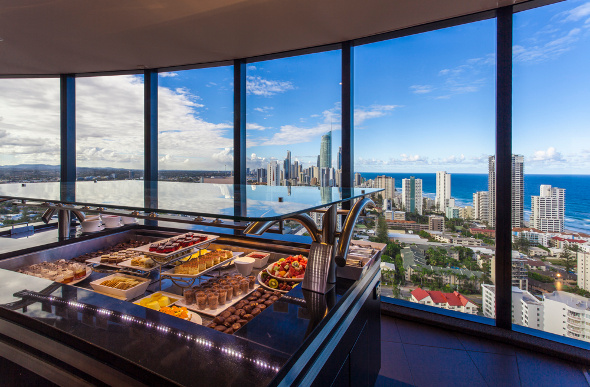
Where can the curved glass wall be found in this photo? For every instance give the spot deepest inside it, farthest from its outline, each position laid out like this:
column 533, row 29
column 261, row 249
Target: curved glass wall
column 551, row 83
column 109, row 127
column 424, row 114
column 195, row 125
column 293, row 120
column 29, row 139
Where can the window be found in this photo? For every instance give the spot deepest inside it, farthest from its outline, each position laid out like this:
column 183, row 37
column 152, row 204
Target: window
column 195, row 125
column 109, row 127
column 425, row 112
column 29, row 139
column 551, row 93
column 293, row 120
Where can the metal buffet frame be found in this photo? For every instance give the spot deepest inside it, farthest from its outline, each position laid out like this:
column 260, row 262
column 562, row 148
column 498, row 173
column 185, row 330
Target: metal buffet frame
column 329, row 246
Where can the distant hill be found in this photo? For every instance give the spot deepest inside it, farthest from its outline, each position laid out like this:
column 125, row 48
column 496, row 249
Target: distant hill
column 37, row 167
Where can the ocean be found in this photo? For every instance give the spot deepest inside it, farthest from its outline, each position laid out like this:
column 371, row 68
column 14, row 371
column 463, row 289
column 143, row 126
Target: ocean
column 463, row 185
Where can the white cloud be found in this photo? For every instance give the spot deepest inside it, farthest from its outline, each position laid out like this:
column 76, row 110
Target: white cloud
column 578, row 13
column 254, row 126
column 259, row 86
column 413, row 158
column 109, row 125
column 362, row 114
column 549, row 155
column 168, row 74
column 421, row 89
column 264, row 109
column 251, row 67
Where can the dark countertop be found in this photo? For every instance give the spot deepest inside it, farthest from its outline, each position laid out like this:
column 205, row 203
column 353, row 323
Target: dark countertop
column 181, row 351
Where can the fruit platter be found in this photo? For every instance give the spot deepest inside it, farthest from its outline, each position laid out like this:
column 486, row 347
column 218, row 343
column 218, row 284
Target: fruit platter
column 268, row 282
column 290, row 269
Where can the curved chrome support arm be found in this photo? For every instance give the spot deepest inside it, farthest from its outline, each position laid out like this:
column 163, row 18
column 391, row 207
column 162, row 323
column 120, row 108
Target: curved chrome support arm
column 258, row 228
column 347, row 229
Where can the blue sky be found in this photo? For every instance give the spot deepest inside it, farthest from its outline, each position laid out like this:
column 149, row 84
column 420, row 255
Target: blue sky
column 422, row 103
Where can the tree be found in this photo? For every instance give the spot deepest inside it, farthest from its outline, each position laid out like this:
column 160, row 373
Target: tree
column 567, row 256
column 522, row 244
column 382, row 235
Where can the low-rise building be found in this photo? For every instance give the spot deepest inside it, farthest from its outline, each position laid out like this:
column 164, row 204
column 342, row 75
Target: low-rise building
column 487, row 232
column 527, row 310
column 538, row 252
column 399, row 215
column 519, row 271
column 451, row 301
column 436, row 223
column 533, row 235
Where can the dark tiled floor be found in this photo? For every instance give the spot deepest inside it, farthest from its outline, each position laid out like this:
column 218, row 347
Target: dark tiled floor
column 414, row 354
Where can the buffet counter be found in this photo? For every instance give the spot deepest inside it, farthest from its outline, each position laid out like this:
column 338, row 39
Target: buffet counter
column 73, row 334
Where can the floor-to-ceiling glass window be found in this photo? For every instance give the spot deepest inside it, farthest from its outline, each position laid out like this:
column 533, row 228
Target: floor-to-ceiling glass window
column 424, row 116
column 195, row 125
column 551, row 139
column 293, row 123
column 109, row 127
column 29, row 140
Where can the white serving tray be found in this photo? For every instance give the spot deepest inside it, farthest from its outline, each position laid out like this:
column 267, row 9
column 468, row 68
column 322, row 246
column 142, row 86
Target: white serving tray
column 128, row 264
column 97, row 260
column 88, row 272
column 221, row 308
column 145, row 249
column 171, row 273
column 119, row 293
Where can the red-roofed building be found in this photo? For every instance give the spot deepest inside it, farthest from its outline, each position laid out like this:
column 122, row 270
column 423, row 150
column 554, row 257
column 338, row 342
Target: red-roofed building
column 452, row 301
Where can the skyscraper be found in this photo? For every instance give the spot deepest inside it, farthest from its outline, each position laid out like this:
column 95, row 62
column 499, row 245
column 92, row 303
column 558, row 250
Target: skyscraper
column 388, row 183
column 412, row 195
column 288, row 166
column 274, row 173
column 480, row 205
column 443, row 190
column 548, row 209
column 340, row 158
column 517, row 191
column 326, row 151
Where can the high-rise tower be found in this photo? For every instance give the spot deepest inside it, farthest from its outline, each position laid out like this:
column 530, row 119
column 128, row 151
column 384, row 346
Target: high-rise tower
column 517, row 191
column 412, row 195
column 548, row 209
column 326, row 151
column 443, row 190
column 288, row 166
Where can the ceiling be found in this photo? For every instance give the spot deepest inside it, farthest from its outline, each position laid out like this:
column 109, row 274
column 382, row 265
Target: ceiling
column 44, row 37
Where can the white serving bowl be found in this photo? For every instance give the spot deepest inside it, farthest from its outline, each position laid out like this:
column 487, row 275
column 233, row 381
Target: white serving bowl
column 259, row 263
column 91, row 225
column 128, row 220
column 244, row 265
column 111, row 221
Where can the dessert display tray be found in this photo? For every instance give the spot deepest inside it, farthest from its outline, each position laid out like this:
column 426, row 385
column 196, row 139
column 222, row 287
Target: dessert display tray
column 221, row 308
column 88, row 272
column 128, row 294
column 97, row 260
column 171, row 273
column 171, row 296
column 127, row 264
column 145, row 249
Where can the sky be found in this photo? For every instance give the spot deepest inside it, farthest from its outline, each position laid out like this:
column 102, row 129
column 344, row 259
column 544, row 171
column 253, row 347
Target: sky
column 423, row 103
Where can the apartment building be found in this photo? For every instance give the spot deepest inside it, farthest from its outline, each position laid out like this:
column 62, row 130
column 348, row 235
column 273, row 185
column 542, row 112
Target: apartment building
column 480, row 205
column 567, row 314
column 443, row 190
column 548, row 209
column 527, row 310
column 517, row 191
column 412, row 195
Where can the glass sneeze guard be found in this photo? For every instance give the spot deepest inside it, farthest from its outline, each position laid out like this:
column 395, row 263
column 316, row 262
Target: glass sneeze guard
column 226, row 201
